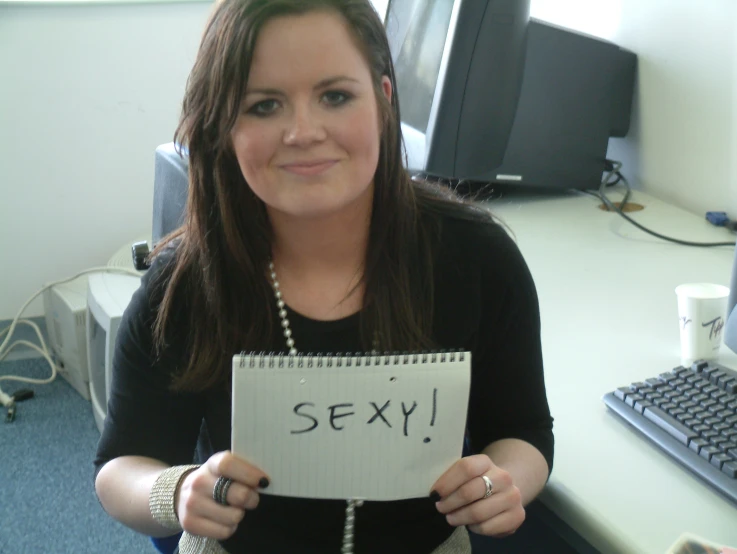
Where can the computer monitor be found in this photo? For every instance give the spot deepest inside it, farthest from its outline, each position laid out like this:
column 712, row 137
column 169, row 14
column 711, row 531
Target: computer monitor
column 459, row 67
column 730, row 329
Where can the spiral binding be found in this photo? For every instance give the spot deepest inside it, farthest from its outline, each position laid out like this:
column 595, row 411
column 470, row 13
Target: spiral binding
column 282, row 360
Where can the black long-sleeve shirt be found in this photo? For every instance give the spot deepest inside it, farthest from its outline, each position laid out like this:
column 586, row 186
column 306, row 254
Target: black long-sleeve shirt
column 485, row 302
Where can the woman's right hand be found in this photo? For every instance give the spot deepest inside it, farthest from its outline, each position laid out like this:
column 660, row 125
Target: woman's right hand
column 197, row 510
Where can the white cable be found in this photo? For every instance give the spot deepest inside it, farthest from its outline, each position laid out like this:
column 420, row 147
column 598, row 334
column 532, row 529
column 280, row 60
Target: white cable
column 5, row 400
column 5, row 350
column 44, row 350
column 29, row 379
column 105, row 269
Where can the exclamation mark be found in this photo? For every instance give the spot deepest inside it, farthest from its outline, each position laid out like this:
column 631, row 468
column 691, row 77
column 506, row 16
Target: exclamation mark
column 434, row 411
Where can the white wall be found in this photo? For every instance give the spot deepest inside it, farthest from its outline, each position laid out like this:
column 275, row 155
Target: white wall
column 88, row 91
column 683, row 143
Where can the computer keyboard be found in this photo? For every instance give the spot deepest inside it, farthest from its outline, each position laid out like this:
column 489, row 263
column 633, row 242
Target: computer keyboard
column 690, row 413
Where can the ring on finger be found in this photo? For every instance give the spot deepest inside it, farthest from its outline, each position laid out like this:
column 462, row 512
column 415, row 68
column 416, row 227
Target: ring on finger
column 489, row 486
column 220, row 490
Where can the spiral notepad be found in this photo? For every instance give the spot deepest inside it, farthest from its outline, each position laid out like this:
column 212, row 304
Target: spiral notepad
column 375, row 427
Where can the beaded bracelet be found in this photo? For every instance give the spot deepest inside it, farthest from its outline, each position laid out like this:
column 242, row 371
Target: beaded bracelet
column 163, row 492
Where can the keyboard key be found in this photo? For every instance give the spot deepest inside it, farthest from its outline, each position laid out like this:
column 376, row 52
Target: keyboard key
column 683, row 418
column 731, row 386
column 732, row 405
column 700, row 428
column 708, row 403
column 654, row 383
column 640, row 405
column 732, row 452
column 670, row 425
column 668, row 406
column 709, row 389
column 712, row 421
column 709, row 434
column 719, row 427
column 636, row 387
column 718, row 459
column 730, row 446
column 719, row 394
column 667, row 376
column 622, row 392
column 699, row 398
column 680, row 370
column 725, row 415
column 696, row 410
column 699, row 366
column 632, row 398
column 700, row 383
column 708, row 371
column 730, row 468
column 732, row 420
column 715, row 376
column 693, row 379
column 688, row 405
column 675, row 383
column 652, row 396
column 715, row 408
column 697, row 444
column 678, row 411
column 724, row 379
column 708, row 451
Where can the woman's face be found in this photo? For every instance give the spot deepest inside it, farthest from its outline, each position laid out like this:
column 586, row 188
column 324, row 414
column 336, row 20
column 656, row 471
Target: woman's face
column 307, row 137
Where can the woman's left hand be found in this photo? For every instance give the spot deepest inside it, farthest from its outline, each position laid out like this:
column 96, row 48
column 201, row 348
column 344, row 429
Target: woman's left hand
column 462, row 490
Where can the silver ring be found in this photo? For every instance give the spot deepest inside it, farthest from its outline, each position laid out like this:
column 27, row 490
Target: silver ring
column 489, row 486
column 220, row 490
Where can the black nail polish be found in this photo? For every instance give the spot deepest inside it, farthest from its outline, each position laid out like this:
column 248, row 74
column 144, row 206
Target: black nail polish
column 263, row 482
column 435, row 496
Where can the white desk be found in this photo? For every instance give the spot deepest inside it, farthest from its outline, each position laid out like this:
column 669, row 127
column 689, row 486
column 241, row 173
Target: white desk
column 609, row 318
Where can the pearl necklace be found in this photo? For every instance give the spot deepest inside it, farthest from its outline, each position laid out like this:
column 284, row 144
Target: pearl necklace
column 351, row 505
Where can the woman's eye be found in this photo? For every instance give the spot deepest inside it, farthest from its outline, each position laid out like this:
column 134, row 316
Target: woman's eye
column 265, row 107
column 336, row 98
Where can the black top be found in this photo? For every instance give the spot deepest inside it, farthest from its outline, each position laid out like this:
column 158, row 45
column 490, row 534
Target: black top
column 485, row 302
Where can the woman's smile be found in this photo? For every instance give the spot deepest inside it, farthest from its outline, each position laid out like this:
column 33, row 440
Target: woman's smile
column 309, row 168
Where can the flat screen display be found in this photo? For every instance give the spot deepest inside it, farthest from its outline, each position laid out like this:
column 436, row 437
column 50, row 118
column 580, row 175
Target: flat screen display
column 417, row 31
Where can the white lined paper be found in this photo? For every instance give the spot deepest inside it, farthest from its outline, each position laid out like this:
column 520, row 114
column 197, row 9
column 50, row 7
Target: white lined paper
column 364, row 460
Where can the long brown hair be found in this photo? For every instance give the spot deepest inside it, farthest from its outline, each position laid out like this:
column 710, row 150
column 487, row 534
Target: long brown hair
column 223, row 246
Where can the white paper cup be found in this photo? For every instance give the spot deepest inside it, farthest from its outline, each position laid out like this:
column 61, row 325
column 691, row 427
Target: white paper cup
column 702, row 308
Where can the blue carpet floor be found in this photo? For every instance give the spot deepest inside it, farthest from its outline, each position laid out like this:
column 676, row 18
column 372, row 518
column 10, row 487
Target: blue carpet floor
column 47, row 496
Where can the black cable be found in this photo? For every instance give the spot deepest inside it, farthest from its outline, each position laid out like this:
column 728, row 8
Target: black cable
column 615, row 167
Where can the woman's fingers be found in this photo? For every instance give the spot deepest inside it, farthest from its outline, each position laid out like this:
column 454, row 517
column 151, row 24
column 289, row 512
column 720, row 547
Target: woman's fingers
column 462, row 472
column 475, row 489
column 227, row 465
column 200, row 514
column 205, row 527
column 242, row 497
column 502, row 525
column 487, row 508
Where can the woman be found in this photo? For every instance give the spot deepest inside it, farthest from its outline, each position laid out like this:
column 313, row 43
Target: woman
column 298, row 194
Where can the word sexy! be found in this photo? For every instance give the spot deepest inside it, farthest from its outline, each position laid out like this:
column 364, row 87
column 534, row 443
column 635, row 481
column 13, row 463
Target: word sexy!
column 386, row 414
